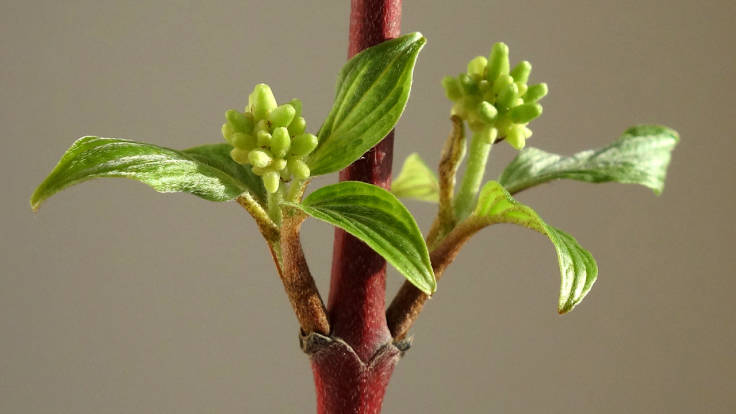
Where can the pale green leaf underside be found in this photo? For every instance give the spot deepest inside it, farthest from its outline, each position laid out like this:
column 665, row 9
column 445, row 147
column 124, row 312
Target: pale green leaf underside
column 578, row 268
column 206, row 171
column 640, row 156
column 372, row 90
column 377, row 218
column 416, row 181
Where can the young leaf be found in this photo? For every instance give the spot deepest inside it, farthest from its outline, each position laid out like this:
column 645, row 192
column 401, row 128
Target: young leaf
column 377, row 218
column 416, row 181
column 578, row 268
column 206, row 171
column 372, row 91
column 640, row 156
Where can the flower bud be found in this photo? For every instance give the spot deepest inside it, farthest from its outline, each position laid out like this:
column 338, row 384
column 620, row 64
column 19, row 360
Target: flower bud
column 521, row 72
column 501, row 83
column 468, row 85
column 477, row 66
column 278, row 164
column 304, row 144
column 240, row 156
column 516, row 137
column 259, row 158
column 263, row 139
column 280, row 142
column 271, row 181
column 227, row 132
column 263, row 101
column 243, row 141
column 507, row 95
column 297, row 104
column 536, row 92
column 297, row 126
column 239, row 121
column 524, row 113
column 487, row 112
column 498, row 62
column 452, row 88
column 282, row 115
column 299, row 168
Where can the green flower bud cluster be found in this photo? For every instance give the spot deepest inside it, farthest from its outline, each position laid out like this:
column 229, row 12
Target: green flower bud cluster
column 493, row 99
column 270, row 137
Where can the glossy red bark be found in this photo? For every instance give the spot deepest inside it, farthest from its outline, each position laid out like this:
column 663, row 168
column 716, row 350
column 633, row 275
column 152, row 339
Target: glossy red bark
column 352, row 370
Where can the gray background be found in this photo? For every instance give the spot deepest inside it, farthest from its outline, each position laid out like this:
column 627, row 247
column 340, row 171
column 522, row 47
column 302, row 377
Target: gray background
column 116, row 299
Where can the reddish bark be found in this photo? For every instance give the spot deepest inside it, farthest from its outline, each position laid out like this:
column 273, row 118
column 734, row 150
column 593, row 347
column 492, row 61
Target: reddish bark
column 352, row 369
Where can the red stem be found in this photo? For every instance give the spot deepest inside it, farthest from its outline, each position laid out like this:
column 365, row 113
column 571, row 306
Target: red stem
column 357, row 301
column 351, row 373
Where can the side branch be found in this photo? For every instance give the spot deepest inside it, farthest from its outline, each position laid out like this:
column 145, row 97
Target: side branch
column 409, row 300
column 298, row 281
column 452, row 155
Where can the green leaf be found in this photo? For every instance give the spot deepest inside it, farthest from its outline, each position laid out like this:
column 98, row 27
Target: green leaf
column 372, row 91
column 206, row 171
column 416, row 181
column 640, row 156
column 377, row 218
column 578, row 268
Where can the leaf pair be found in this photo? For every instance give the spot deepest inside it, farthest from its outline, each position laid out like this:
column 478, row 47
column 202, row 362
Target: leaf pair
column 640, row 156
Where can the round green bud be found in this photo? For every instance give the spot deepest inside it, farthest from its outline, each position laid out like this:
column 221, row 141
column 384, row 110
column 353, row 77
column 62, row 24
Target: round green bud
column 259, row 171
column 278, row 164
column 304, row 144
column 523, row 87
column 467, row 84
column 280, row 142
column 507, row 95
column 299, row 168
column 498, row 62
column 297, row 104
column 484, row 86
column 260, row 158
column 243, row 141
column 502, row 83
column 487, row 112
column 239, row 121
column 516, row 137
column 263, row 101
column 227, row 132
column 240, row 156
column 536, row 92
column 271, row 181
column 263, row 139
column 452, row 88
column 477, row 66
column 297, row 126
column 521, row 72
column 282, row 115
column 489, row 134
column 524, row 113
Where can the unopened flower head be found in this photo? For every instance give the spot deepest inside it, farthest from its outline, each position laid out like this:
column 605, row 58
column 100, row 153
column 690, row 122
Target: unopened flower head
column 494, row 99
column 271, row 138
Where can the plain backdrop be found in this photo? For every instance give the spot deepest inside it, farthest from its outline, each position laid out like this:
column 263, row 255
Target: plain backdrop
column 117, row 299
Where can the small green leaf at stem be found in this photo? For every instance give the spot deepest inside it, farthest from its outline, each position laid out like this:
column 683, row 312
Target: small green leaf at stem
column 377, row 218
column 640, row 156
column 416, row 180
column 206, row 171
column 578, row 268
column 372, row 91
